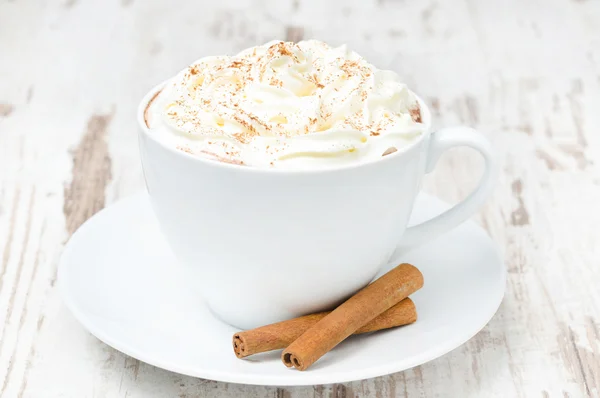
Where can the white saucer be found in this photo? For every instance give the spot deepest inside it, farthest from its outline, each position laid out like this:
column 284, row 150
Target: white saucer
column 121, row 281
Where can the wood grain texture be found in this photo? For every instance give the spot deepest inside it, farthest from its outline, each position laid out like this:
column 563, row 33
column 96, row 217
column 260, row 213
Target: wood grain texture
column 84, row 196
column 526, row 73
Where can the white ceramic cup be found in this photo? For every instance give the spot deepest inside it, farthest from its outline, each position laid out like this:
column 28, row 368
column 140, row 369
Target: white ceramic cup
column 263, row 245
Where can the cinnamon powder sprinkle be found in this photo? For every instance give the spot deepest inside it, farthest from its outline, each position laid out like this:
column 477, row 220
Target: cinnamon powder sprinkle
column 276, row 82
column 315, row 80
column 282, row 48
column 218, row 89
column 185, row 149
column 242, row 137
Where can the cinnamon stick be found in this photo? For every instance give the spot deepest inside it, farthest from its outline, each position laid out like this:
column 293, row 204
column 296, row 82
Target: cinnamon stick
column 280, row 335
column 357, row 311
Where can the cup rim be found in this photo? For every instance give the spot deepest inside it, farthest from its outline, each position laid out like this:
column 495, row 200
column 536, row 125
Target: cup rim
column 149, row 96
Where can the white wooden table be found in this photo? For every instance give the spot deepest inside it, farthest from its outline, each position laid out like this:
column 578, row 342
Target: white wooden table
column 527, row 73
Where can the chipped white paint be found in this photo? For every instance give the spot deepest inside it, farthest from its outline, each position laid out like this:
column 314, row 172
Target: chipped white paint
column 525, row 72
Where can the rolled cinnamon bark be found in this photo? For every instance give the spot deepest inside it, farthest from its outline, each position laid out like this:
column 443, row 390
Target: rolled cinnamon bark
column 280, row 335
column 357, row 311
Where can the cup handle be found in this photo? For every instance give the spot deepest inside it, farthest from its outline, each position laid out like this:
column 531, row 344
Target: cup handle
column 441, row 141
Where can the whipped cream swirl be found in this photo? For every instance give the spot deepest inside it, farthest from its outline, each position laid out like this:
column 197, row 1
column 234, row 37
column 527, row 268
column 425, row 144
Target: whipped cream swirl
column 286, row 105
